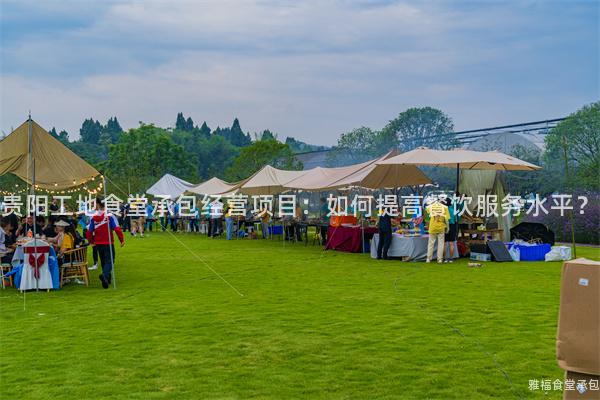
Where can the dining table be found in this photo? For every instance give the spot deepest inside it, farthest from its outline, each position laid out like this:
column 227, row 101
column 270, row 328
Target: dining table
column 349, row 238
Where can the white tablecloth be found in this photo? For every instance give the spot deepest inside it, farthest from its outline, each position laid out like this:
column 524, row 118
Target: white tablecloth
column 412, row 247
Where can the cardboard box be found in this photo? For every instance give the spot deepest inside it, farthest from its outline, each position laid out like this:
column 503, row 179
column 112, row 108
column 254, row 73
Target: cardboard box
column 578, row 336
column 581, row 386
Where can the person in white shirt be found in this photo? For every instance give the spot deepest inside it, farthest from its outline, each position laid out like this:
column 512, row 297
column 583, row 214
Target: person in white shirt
column 6, row 251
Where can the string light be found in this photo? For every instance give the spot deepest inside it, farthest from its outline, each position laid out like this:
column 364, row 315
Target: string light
column 82, row 188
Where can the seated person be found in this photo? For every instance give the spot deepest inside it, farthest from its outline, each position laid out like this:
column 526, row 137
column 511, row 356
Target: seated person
column 27, row 228
column 6, row 246
column 48, row 229
column 57, row 240
column 63, row 241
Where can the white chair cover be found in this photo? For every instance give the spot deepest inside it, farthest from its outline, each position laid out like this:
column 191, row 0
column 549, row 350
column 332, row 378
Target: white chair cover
column 36, row 276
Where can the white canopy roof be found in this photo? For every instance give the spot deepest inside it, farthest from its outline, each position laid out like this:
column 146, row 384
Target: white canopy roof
column 169, row 185
column 461, row 158
column 320, row 178
column 269, row 180
column 214, row 186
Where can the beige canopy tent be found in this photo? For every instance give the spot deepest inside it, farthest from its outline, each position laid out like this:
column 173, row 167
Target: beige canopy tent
column 214, row 186
column 268, row 180
column 320, row 178
column 464, row 159
column 363, row 175
column 375, row 176
column 460, row 159
column 30, row 147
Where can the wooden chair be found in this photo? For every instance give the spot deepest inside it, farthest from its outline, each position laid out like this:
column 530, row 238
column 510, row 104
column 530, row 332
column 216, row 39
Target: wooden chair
column 75, row 265
column 5, row 269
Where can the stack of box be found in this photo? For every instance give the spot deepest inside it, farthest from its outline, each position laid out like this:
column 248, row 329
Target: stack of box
column 578, row 339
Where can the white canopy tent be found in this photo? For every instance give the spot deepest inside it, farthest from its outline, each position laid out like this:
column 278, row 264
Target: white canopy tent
column 214, row 186
column 268, row 181
column 169, row 185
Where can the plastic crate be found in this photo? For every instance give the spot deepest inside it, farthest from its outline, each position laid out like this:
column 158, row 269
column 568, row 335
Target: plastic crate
column 536, row 252
column 276, row 230
column 481, row 256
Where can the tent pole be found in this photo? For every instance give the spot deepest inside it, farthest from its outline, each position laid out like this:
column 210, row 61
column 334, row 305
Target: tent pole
column 362, row 224
column 32, row 191
column 564, row 145
column 457, row 176
column 110, row 241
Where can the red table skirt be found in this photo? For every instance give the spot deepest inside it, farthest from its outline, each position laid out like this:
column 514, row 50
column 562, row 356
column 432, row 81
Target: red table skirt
column 345, row 238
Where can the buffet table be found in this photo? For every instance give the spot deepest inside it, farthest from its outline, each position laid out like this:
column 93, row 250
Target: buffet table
column 349, row 238
column 409, row 248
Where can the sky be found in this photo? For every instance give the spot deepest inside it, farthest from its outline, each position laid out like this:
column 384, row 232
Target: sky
column 307, row 69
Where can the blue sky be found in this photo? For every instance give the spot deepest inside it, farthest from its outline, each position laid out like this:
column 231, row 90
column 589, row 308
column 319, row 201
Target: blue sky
column 311, row 70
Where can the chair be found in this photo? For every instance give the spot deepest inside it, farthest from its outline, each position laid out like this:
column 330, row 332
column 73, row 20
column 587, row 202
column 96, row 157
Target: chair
column 76, row 266
column 5, row 269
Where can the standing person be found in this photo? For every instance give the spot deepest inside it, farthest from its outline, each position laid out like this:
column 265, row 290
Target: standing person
column 228, row 222
column 216, row 217
column 385, row 235
column 439, row 218
column 149, row 217
column 100, row 234
column 452, row 232
column 194, row 227
column 265, row 219
column 324, row 220
column 298, row 223
column 208, row 219
column 137, row 218
column 172, row 209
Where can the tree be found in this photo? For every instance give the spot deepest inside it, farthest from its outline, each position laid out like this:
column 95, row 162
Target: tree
column 579, row 134
column 112, row 130
column 63, row 136
column 143, row 155
column 214, row 156
column 205, row 130
column 260, row 153
column 180, row 123
column 298, row 146
column 234, row 134
column 358, row 145
column 90, row 131
column 189, row 124
column 268, row 135
column 416, row 127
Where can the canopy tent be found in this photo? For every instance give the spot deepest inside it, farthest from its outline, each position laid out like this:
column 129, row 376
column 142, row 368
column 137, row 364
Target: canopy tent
column 214, row 186
column 320, row 178
column 460, row 159
column 169, row 185
column 375, row 176
column 268, row 180
column 477, row 183
column 385, row 176
column 56, row 167
column 365, row 174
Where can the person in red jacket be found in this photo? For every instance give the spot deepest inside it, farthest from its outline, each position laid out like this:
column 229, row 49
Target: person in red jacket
column 100, row 234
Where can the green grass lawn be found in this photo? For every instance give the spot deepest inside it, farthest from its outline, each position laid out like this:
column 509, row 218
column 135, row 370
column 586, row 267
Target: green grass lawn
column 310, row 324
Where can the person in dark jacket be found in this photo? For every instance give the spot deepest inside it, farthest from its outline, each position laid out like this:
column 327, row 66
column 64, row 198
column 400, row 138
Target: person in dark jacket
column 385, row 235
